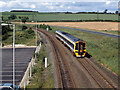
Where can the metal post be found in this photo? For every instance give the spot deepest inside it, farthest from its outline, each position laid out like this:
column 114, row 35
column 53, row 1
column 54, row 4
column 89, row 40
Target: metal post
column 36, row 42
column 13, row 56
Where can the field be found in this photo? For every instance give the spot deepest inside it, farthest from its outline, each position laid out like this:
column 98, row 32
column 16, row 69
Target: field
column 110, row 26
column 103, row 48
column 106, row 27
column 60, row 16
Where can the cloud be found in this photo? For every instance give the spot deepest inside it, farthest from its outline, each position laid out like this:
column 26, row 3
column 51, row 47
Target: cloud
column 32, row 6
column 2, row 4
column 74, row 5
column 108, row 2
column 61, row 6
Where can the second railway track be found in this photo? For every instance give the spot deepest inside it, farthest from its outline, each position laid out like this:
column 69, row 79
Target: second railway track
column 96, row 75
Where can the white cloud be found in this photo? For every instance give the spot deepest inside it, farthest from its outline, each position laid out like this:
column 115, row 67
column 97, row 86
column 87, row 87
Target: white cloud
column 2, row 4
column 32, row 6
column 61, row 6
column 25, row 5
column 108, row 2
column 73, row 2
column 68, row 7
column 41, row 5
column 51, row 7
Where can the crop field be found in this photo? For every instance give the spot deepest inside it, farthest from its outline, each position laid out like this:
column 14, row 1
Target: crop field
column 60, row 16
column 103, row 48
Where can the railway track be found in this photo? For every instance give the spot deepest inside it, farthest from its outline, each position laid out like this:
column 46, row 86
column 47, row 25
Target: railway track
column 96, row 75
column 65, row 77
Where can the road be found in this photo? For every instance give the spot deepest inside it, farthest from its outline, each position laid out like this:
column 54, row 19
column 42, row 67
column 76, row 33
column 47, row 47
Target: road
column 100, row 33
column 22, row 58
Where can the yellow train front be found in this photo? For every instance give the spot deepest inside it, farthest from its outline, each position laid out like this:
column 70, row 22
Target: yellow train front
column 78, row 46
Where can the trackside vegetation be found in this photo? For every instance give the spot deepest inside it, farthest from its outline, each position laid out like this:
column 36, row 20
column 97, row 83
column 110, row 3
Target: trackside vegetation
column 103, row 48
column 23, row 35
column 41, row 77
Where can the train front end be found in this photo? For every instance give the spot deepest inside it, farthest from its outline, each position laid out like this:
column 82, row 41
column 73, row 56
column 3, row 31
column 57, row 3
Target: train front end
column 80, row 49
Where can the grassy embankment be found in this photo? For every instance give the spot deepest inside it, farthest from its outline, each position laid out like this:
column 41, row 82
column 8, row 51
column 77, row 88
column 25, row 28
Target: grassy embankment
column 41, row 77
column 103, row 48
column 21, row 36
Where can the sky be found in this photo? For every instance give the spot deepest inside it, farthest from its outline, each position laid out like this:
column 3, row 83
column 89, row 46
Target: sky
column 60, row 5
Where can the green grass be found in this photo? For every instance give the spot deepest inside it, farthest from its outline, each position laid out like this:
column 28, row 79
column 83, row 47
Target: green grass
column 21, row 37
column 103, row 48
column 38, row 80
column 59, row 16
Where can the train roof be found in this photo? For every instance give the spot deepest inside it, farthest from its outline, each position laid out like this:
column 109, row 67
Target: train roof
column 74, row 39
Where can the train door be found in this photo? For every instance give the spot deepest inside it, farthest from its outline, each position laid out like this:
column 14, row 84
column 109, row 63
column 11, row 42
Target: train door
column 80, row 49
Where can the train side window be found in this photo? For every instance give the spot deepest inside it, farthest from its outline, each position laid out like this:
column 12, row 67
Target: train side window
column 76, row 47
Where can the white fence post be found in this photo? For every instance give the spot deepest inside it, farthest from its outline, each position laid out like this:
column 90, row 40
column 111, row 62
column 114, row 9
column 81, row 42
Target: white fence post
column 30, row 71
column 24, row 85
column 45, row 62
column 40, row 44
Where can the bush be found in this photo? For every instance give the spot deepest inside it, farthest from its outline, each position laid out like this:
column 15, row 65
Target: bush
column 12, row 16
column 30, row 31
column 34, row 69
column 5, row 36
column 24, row 27
column 5, row 29
column 43, row 26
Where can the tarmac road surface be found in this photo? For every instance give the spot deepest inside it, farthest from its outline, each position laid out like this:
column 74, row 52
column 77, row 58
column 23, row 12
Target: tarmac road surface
column 22, row 58
column 100, row 33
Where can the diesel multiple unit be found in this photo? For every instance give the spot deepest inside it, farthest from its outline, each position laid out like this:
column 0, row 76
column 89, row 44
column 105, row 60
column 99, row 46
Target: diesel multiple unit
column 78, row 46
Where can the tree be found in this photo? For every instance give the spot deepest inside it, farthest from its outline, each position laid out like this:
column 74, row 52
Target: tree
column 2, row 18
column 5, row 30
column 12, row 16
column 30, row 31
column 19, row 17
column 24, row 19
column 105, row 11
column 24, row 27
column 116, row 12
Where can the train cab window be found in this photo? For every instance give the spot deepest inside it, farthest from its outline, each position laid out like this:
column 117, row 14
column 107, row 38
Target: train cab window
column 76, row 47
column 83, row 45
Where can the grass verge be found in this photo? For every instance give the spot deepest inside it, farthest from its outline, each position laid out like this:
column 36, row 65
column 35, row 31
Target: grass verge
column 103, row 48
column 41, row 77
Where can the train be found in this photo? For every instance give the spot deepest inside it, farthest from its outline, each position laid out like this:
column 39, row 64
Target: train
column 77, row 46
